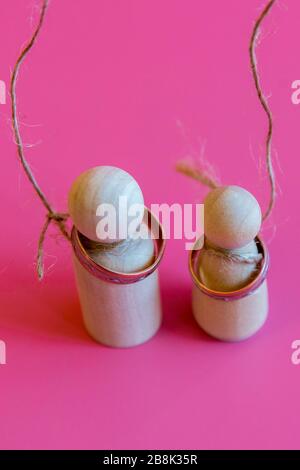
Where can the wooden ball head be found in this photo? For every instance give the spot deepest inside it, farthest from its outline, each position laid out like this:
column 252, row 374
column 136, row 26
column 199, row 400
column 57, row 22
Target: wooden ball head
column 103, row 186
column 232, row 217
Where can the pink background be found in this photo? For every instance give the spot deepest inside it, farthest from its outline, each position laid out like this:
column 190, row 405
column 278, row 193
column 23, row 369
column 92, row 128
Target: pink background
column 107, row 83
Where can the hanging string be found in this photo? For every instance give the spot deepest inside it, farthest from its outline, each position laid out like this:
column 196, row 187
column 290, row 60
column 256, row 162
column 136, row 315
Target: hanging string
column 58, row 218
column 200, row 174
column 264, row 103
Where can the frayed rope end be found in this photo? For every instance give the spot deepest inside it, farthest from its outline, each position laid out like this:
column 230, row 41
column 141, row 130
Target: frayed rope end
column 197, row 174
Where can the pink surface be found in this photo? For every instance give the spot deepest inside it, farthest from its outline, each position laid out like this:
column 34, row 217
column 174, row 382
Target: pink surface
column 107, row 83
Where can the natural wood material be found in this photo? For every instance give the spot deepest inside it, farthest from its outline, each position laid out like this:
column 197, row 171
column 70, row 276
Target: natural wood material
column 119, row 315
column 232, row 217
column 225, row 273
column 231, row 320
column 104, row 186
column 117, row 279
column 225, row 313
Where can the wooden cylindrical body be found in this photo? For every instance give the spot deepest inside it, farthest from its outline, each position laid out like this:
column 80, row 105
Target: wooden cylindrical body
column 119, row 309
column 231, row 316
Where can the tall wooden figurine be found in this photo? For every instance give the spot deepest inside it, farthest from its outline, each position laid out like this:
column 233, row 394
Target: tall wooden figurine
column 117, row 277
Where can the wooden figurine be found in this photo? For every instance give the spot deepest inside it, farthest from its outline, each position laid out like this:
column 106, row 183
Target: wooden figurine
column 230, row 298
column 117, row 277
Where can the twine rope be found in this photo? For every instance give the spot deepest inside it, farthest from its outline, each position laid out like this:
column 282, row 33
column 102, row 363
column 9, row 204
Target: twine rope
column 52, row 216
column 206, row 179
column 264, row 103
column 197, row 174
column 203, row 176
column 247, row 258
column 59, row 219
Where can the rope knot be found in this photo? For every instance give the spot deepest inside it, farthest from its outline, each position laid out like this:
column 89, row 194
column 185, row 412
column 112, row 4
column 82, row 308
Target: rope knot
column 57, row 216
column 60, row 219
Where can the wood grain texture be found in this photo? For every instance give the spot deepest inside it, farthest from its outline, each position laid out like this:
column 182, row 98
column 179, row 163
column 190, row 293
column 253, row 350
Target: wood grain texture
column 231, row 320
column 128, row 257
column 98, row 186
column 232, row 217
column 119, row 315
column 224, row 274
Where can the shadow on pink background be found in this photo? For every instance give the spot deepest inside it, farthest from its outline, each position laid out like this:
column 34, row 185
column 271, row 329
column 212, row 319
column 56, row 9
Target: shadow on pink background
column 108, row 83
